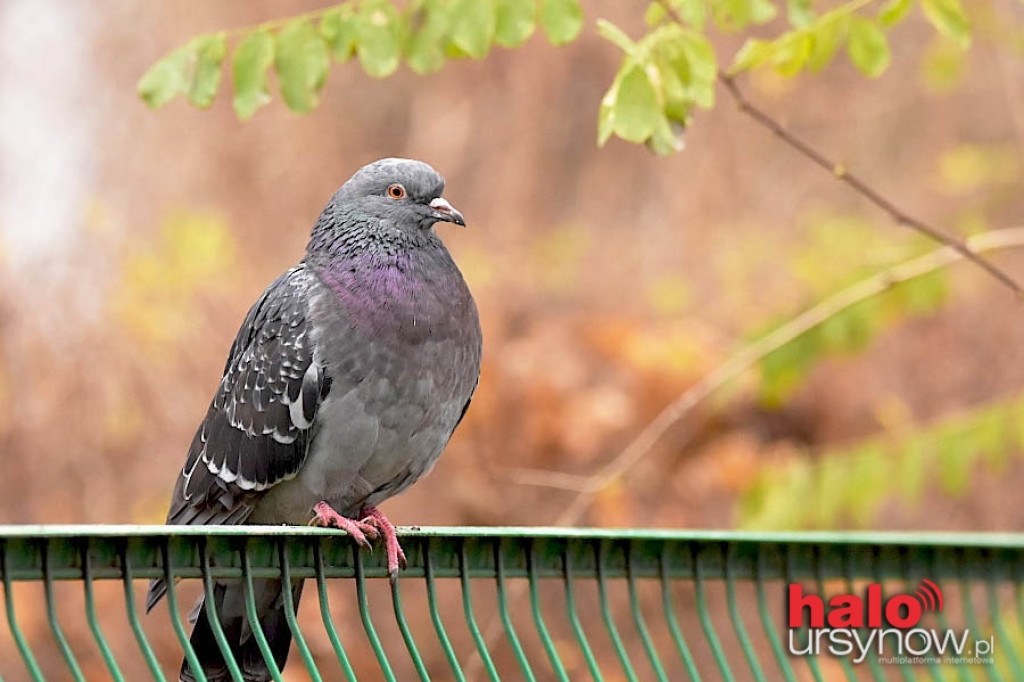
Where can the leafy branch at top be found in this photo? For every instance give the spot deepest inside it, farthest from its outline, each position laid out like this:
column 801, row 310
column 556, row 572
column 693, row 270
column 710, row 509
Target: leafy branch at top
column 300, row 50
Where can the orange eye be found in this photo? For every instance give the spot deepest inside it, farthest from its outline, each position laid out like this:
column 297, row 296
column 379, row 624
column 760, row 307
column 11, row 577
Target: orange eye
column 396, row 192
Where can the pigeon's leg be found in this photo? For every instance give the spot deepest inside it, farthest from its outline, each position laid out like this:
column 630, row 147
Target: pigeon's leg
column 395, row 555
column 325, row 516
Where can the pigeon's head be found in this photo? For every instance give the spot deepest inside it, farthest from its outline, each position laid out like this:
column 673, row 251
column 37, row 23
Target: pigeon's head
column 400, row 193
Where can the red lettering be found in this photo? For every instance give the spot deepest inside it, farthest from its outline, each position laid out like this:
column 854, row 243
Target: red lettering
column 892, row 611
column 874, row 605
column 798, row 602
column 846, row 611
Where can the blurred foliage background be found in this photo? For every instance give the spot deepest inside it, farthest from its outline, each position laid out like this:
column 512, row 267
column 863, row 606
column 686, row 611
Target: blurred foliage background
column 610, row 280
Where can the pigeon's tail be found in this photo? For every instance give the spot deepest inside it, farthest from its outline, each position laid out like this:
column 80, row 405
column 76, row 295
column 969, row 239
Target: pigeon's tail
column 229, row 600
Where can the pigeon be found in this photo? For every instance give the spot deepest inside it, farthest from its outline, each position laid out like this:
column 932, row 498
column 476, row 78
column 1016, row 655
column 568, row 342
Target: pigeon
column 344, row 384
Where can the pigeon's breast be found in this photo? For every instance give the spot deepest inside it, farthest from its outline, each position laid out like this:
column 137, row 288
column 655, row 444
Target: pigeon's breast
column 400, row 344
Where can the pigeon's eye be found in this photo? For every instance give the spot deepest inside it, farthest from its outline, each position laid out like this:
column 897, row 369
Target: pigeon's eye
column 396, row 192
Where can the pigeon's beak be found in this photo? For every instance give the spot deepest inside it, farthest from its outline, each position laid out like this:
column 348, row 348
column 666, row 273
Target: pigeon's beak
column 445, row 212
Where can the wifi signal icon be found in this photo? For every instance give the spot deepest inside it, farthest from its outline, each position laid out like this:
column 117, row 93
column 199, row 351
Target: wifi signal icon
column 929, row 594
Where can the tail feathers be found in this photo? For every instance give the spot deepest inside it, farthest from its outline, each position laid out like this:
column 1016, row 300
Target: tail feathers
column 229, row 600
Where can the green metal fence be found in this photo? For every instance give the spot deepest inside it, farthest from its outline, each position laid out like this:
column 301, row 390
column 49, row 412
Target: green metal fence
column 503, row 603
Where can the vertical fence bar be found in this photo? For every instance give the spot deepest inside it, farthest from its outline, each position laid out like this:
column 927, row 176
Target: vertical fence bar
column 766, row 621
column 410, row 643
column 467, row 608
column 812, row 663
column 819, row 575
column 963, row 671
column 210, row 606
column 705, row 617
column 435, row 613
column 506, row 618
column 172, row 608
column 995, row 615
column 606, row 614
column 910, row 568
column 51, row 616
column 325, row 613
column 638, row 617
column 254, row 617
column 969, row 613
column 90, row 614
column 538, row 618
column 364, row 615
column 289, row 611
column 574, row 617
column 670, row 617
column 133, row 616
column 876, row 573
column 12, row 619
column 736, row 618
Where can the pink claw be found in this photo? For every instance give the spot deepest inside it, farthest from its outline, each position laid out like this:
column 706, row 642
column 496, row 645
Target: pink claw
column 395, row 555
column 325, row 516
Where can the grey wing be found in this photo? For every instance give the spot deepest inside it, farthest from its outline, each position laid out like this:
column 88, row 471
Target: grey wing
column 257, row 430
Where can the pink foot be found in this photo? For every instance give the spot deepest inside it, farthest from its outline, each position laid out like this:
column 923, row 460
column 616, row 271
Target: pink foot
column 325, row 516
column 395, row 555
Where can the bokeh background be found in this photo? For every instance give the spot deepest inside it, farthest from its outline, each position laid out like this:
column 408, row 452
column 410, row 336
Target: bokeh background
column 609, row 280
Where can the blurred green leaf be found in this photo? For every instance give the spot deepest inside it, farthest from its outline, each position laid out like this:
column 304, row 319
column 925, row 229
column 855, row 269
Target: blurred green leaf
column 615, row 36
column 561, row 20
column 425, row 45
column 301, row 61
column 210, row 51
column 735, row 15
column 515, row 21
column 472, row 28
column 168, row 78
column 826, row 39
column 893, row 12
column 338, row 27
column 944, row 65
column 636, row 106
column 949, row 18
column 250, row 63
column 799, row 13
column 922, row 295
column 868, row 47
column 378, row 37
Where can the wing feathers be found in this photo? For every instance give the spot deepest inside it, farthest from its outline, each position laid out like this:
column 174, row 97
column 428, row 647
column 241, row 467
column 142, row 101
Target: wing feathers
column 256, row 432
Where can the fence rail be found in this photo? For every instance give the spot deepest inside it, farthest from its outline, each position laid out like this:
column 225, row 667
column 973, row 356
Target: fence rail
column 502, row 603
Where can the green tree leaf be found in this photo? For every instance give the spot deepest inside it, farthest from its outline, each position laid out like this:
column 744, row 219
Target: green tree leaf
column 615, row 35
column 868, row 47
column 754, row 53
column 561, row 20
column 515, row 21
column 949, row 18
column 378, row 37
column 799, row 13
column 826, row 39
column 210, row 51
column 168, row 78
column 301, row 61
column 425, row 46
column 735, row 15
column 473, row 25
column 894, row 12
column 252, row 58
column 338, row 27
column 637, row 111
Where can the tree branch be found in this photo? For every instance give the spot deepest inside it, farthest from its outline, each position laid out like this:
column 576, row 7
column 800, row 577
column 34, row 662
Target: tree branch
column 853, row 181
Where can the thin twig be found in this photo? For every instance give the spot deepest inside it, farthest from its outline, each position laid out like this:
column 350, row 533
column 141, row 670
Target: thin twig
column 751, row 354
column 843, row 174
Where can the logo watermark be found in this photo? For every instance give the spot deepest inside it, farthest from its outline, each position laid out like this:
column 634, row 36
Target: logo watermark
column 858, row 626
